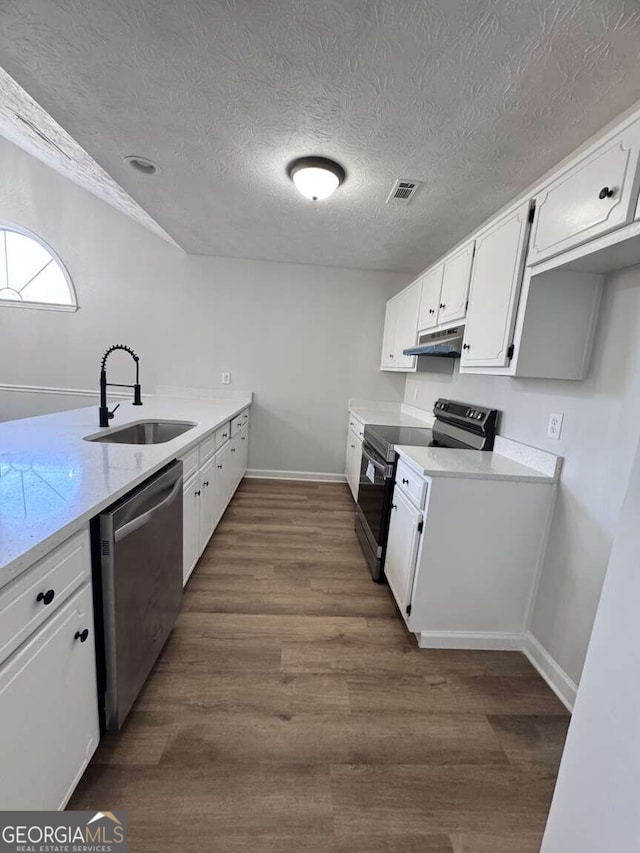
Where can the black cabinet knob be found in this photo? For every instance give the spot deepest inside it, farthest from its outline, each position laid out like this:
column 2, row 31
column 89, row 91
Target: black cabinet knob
column 219, row 466
column 405, row 482
column 466, row 346
column 442, row 305
column 605, row 192
column 197, row 493
column 393, row 506
column 82, row 635
column 46, row 597
column 390, row 355
column 243, row 437
column 206, row 483
column 233, row 450
column 432, row 310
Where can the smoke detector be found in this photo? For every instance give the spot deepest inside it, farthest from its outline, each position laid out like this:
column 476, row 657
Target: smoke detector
column 403, row 191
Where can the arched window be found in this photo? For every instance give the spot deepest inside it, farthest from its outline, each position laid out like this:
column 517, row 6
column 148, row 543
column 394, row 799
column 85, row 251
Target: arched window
column 31, row 274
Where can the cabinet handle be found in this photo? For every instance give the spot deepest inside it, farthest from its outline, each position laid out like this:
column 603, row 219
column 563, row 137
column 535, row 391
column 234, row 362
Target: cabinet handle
column 442, row 305
column 390, row 355
column 206, row 483
column 466, row 346
column 432, row 310
column 605, row 192
column 46, row 597
column 393, row 506
column 197, row 493
column 82, row 635
column 219, row 466
column 353, row 445
column 243, row 437
column 405, row 482
column 233, row 450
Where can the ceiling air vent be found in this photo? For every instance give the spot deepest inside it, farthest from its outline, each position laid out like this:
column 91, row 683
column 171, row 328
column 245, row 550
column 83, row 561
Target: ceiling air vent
column 403, row 191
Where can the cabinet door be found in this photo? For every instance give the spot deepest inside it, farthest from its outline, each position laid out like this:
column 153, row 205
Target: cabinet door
column 243, row 451
column 191, row 495
column 389, row 335
column 352, row 462
column 407, row 326
column 430, row 298
column 495, row 287
column 223, row 476
column 48, row 696
column 402, row 548
column 208, row 501
column 455, row 285
column 597, row 195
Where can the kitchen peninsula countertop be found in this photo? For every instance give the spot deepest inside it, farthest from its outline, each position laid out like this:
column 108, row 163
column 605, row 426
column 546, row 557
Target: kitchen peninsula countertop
column 52, row 481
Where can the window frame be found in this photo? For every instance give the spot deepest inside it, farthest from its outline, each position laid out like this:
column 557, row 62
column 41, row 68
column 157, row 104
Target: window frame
column 46, row 306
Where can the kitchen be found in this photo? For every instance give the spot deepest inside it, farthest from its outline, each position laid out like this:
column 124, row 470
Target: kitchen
column 297, row 324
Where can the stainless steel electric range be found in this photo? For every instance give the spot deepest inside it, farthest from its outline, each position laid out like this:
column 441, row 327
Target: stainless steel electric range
column 456, row 425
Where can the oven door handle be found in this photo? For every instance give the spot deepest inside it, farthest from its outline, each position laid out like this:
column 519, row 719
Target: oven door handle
column 386, row 470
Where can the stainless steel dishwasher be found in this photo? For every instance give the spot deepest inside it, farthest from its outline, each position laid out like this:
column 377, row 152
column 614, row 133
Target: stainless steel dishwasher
column 140, row 586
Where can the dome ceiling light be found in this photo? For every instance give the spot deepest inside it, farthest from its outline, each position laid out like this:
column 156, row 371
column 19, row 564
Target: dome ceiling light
column 316, row 177
column 142, row 164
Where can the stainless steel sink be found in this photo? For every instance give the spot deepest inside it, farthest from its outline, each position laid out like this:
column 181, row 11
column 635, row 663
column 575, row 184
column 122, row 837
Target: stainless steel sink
column 143, row 432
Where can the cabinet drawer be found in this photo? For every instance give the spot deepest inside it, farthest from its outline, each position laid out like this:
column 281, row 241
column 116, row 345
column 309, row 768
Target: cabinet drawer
column 411, row 483
column 48, row 696
column 189, row 463
column 595, row 196
column 357, row 426
column 239, row 421
column 54, row 577
column 207, row 448
column 222, row 434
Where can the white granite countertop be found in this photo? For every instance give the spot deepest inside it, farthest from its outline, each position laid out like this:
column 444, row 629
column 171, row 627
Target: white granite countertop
column 390, row 414
column 52, row 481
column 471, row 464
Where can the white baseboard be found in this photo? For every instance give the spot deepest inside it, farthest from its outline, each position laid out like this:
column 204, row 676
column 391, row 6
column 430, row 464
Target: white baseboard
column 308, row 476
column 490, row 640
column 557, row 679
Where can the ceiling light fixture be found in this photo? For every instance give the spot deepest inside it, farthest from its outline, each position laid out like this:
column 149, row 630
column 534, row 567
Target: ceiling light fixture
column 316, row 177
column 142, row 164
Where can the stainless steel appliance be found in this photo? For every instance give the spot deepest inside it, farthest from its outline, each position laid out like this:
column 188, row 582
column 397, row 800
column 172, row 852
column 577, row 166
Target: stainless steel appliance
column 456, row 425
column 446, row 344
column 139, row 588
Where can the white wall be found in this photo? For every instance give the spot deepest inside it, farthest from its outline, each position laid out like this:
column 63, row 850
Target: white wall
column 303, row 338
column 599, row 438
column 595, row 804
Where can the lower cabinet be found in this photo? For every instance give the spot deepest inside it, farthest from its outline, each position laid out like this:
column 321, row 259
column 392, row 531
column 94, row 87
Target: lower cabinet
column 353, row 457
column 48, row 696
column 402, row 548
column 463, row 556
column 207, row 492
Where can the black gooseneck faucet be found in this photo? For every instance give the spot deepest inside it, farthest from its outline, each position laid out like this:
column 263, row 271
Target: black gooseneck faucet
column 105, row 414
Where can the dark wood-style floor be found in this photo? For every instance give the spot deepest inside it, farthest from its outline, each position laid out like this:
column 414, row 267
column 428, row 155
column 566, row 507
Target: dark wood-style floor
column 291, row 712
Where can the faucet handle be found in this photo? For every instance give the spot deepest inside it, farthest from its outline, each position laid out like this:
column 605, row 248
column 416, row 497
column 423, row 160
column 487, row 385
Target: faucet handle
column 113, row 411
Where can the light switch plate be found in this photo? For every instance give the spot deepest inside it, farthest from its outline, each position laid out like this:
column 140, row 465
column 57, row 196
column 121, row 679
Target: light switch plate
column 226, row 378
column 555, row 425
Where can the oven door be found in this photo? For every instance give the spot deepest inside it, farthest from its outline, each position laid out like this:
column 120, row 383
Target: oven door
column 374, row 494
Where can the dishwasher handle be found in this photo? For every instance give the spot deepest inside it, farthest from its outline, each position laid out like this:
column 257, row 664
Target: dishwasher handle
column 145, row 517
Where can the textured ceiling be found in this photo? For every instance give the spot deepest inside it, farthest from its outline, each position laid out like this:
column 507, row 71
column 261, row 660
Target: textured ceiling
column 26, row 124
column 476, row 98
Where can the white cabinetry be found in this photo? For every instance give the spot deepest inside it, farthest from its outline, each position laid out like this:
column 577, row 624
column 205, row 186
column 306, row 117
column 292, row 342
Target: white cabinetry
column 471, row 590
column 455, row 285
column 221, row 465
column 402, row 547
column 495, row 287
column 596, row 195
column 48, row 688
column 353, row 458
column 400, row 327
column 430, row 298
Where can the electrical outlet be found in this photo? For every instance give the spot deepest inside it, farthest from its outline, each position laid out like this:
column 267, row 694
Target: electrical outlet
column 555, row 425
column 226, row 378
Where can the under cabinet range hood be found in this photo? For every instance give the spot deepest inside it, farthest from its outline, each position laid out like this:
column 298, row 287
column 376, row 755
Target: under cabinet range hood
column 444, row 344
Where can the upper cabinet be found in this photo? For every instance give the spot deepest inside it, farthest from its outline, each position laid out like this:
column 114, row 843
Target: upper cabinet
column 430, row 298
column 596, row 195
column 445, row 289
column 400, row 327
column 455, row 285
column 495, row 286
